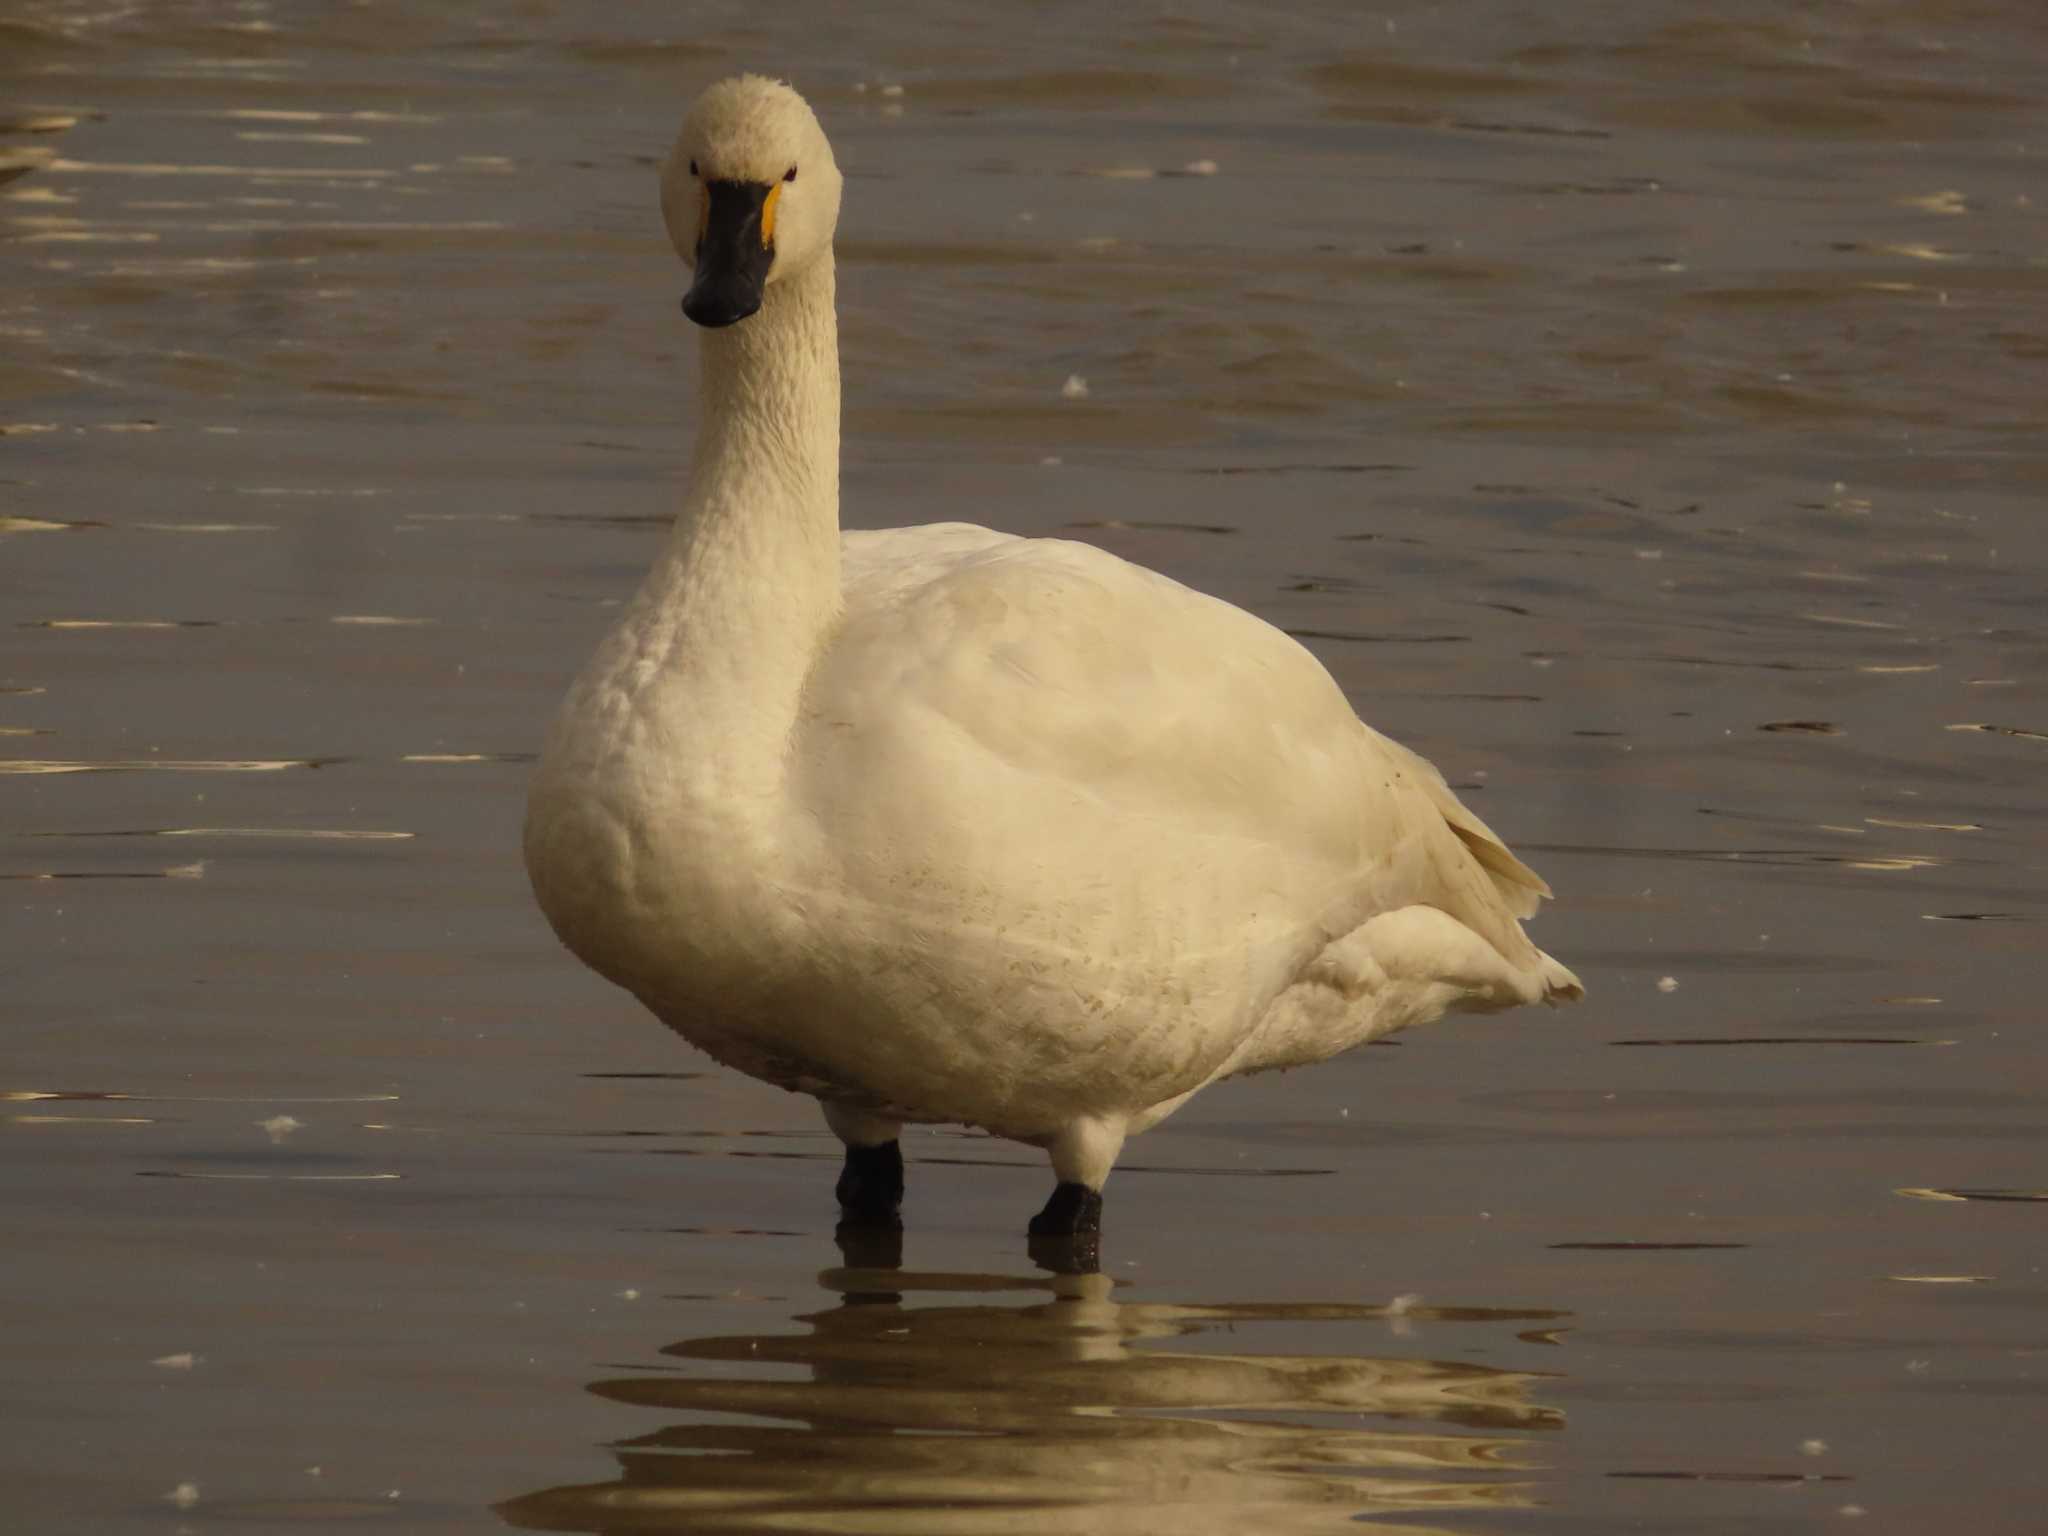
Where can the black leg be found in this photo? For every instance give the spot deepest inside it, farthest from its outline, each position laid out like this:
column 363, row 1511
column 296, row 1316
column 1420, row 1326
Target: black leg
column 871, row 1186
column 1066, row 1237
column 1074, row 1210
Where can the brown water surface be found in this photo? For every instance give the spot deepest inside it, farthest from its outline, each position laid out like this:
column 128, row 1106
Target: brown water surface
column 1639, row 409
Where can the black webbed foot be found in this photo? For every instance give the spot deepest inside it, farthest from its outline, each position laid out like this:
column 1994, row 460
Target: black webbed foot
column 1074, row 1210
column 1071, row 1253
column 1066, row 1237
column 870, row 1187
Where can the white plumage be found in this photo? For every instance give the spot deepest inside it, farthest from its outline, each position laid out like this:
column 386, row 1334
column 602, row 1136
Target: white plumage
column 939, row 824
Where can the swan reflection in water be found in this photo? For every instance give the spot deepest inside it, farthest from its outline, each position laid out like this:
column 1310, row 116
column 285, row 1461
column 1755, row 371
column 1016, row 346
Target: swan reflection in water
column 928, row 1406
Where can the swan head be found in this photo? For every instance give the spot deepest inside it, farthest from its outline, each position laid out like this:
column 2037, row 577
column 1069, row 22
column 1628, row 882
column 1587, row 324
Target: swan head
column 750, row 194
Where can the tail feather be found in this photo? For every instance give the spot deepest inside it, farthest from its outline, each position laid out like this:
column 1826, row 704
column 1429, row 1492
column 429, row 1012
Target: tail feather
column 1520, row 888
column 1559, row 984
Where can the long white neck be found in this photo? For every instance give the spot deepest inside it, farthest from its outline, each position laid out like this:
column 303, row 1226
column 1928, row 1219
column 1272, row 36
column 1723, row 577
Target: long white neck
column 770, row 426
column 729, row 620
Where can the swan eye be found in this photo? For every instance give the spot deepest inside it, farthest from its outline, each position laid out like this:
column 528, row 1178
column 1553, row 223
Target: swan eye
column 693, row 167
column 790, row 174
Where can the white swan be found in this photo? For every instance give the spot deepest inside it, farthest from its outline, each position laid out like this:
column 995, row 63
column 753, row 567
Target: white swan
column 938, row 824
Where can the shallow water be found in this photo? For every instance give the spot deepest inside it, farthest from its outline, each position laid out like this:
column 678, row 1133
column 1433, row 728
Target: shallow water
column 1640, row 413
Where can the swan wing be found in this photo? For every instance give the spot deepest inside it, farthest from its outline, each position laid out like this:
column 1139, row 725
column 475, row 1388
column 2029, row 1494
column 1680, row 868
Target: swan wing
column 1020, row 678
column 877, row 566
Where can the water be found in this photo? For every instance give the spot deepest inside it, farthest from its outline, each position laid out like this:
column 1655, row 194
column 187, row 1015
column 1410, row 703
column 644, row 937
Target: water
column 1638, row 411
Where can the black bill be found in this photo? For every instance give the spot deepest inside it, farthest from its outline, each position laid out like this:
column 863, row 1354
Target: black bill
column 733, row 254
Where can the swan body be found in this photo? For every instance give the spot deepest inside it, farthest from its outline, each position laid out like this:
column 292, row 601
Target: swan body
column 939, row 824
